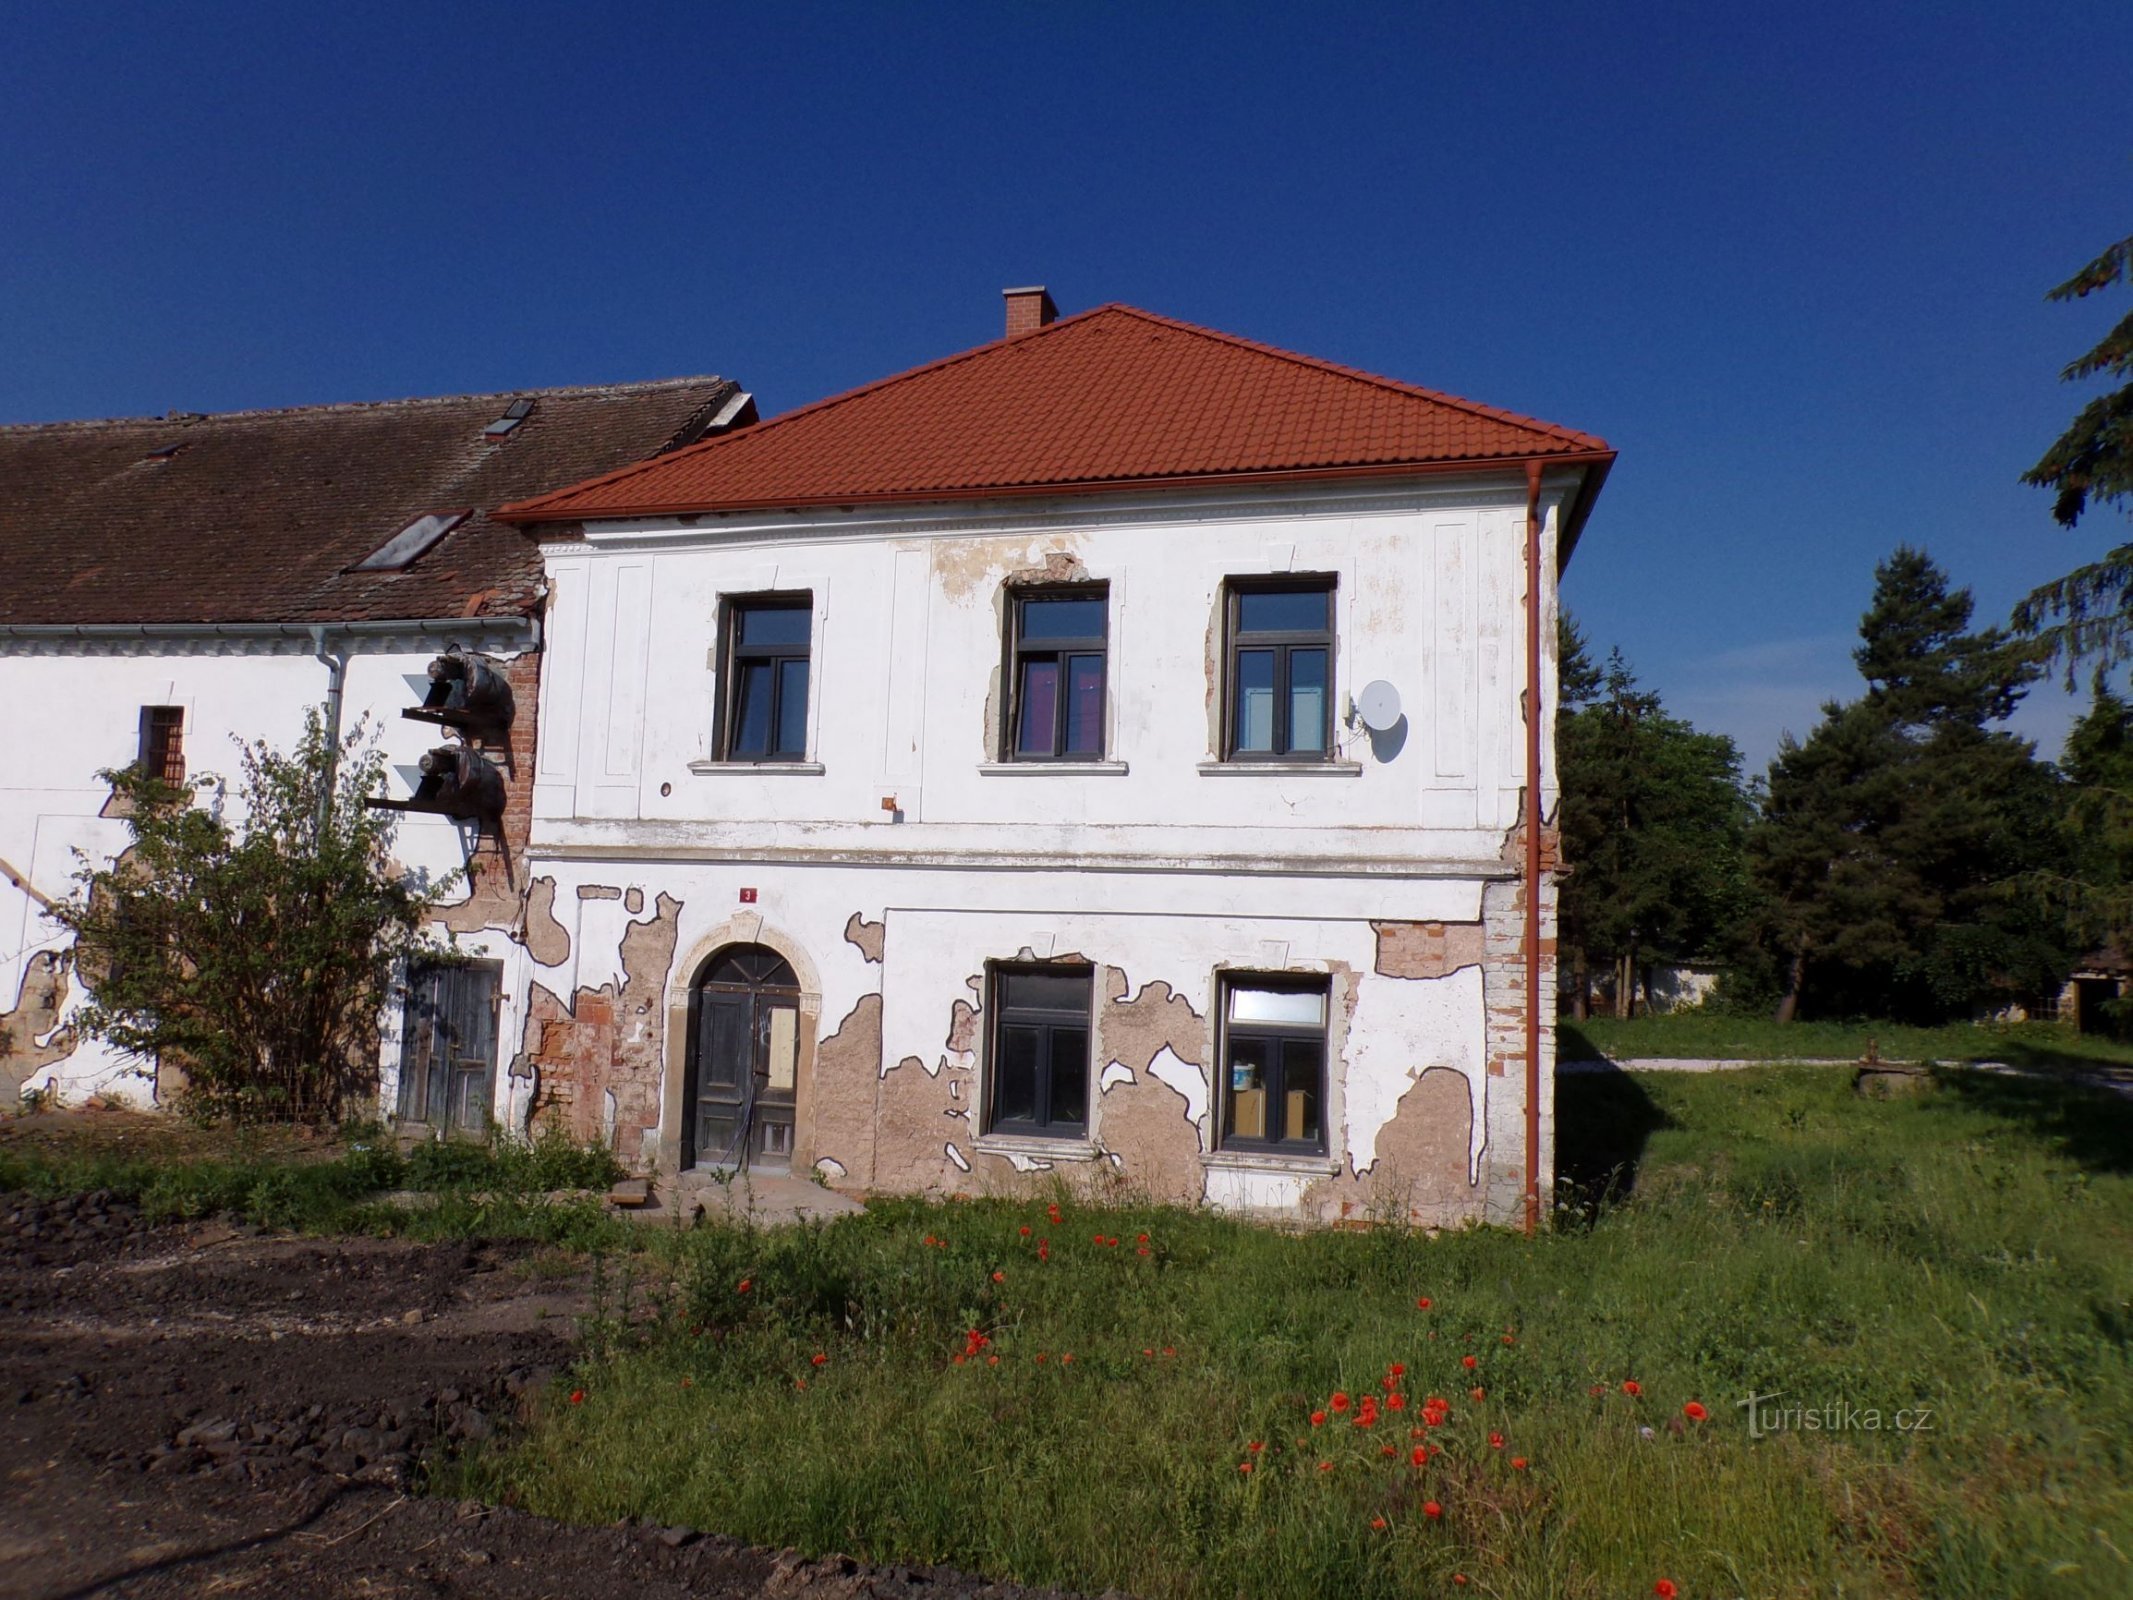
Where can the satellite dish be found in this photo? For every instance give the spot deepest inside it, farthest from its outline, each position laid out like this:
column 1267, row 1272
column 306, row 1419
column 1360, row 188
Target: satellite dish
column 1379, row 706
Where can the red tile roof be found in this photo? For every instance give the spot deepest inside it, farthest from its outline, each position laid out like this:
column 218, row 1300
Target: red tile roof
column 1114, row 398
column 258, row 516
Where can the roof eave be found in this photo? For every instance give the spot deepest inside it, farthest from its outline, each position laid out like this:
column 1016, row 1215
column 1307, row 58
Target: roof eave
column 535, row 512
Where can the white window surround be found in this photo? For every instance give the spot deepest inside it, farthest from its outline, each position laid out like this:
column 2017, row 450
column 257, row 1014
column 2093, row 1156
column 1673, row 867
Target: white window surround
column 1051, row 769
column 1280, row 769
column 1031, row 1147
column 1267, row 1161
column 767, row 769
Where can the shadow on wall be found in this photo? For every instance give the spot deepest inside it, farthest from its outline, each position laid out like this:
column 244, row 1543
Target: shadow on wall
column 1603, row 1120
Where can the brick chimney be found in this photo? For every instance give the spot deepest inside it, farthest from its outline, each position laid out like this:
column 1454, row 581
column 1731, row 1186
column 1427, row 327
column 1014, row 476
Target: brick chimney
column 1028, row 309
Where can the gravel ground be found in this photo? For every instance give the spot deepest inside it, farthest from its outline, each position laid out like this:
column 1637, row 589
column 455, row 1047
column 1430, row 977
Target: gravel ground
column 216, row 1411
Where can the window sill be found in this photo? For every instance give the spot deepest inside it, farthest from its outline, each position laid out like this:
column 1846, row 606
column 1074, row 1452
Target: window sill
column 1032, row 1146
column 1267, row 1161
column 1051, row 769
column 765, row 769
column 1280, row 769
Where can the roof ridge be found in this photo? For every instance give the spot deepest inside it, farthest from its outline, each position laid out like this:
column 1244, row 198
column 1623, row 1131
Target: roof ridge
column 686, row 452
column 324, row 407
column 1397, row 385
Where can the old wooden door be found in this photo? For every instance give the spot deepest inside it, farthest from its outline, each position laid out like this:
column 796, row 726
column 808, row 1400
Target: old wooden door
column 744, row 1045
column 448, row 1056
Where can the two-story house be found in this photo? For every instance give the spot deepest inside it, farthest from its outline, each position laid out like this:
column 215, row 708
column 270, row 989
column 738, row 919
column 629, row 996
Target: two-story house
column 1118, row 753
column 170, row 585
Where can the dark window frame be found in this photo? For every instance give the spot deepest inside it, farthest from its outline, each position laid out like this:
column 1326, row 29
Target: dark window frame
column 1017, row 651
column 162, row 747
column 1277, row 1087
column 1047, row 1019
column 1283, row 642
column 733, row 655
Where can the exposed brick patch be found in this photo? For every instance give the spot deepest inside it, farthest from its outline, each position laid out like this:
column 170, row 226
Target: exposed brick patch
column 608, row 1041
column 847, row 1080
column 1428, row 949
column 1418, row 1174
column 598, row 891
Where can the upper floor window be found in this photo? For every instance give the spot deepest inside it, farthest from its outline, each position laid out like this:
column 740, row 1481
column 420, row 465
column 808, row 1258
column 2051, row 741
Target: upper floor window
column 1040, row 1051
column 1274, row 1065
column 1280, row 702
column 163, row 742
column 1056, row 647
column 765, row 707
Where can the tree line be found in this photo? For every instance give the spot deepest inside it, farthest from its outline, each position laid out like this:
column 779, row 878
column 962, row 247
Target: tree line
column 1910, row 858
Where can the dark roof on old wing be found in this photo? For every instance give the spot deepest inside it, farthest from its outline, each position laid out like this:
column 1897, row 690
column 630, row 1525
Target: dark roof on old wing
column 258, row 516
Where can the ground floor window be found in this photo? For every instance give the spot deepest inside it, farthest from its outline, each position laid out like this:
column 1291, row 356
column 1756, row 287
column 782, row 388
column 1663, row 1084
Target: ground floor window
column 448, row 1048
column 1039, row 1079
column 1274, row 1065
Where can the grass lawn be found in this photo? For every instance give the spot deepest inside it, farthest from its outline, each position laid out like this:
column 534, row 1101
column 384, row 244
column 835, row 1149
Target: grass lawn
column 1937, row 1294
column 1719, row 1036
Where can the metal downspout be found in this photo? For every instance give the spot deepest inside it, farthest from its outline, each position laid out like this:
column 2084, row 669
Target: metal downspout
column 1534, row 998
column 336, row 681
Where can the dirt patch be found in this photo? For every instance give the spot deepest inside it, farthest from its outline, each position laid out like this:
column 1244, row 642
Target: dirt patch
column 211, row 1410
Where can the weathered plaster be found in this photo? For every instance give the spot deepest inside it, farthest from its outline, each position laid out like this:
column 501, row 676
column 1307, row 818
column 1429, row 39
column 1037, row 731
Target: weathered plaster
column 547, row 940
column 1418, row 1170
column 607, row 891
column 1427, row 949
column 866, row 937
column 31, row 1035
column 1151, row 1124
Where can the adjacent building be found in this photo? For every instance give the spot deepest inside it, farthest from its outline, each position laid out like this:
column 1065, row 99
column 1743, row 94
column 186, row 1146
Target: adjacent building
column 171, row 585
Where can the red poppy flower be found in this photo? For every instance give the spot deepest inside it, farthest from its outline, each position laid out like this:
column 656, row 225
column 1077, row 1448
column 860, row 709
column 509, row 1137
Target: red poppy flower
column 1507, row 1339
column 1052, row 1212
column 1422, row 1304
column 818, row 1358
column 1067, row 1359
column 1396, row 1402
column 1143, row 1250
column 1378, row 1523
column 1025, row 1230
column 1665, row 1589
column 1432, row 1510
column 1518, row 1463
column 999, row 1277
column 577, row 1397
column 745, row 1282
column 1244, row 1466
column 1597, row 1390
column 1388, row 1450
column 1417, row 1456
column 1477, row 1395
column 1044, row 1250
column 1318, row 1419
column 1040, row 1356
column 992, row 1361
column 955, row 1360
column 799, row 1383
column 1469, row 1363
column 1325, row 1466
column 1170, row 1350
column 1694, row 1411
column 1256, row 1446
column 1460, row 1579
column 1495, row 1441
column 688, row 1383
column 1632, row 1388
column 1096, row 1238
column 1398, row 1369
column 1141, row 1239
column 1340, row 1400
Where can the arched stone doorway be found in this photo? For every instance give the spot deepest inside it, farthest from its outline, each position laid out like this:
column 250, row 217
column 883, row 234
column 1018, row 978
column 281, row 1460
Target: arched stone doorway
column 741, row 1078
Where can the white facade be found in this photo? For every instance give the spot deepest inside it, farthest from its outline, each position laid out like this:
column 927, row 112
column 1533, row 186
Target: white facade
column 903, row 859
column 70, row 705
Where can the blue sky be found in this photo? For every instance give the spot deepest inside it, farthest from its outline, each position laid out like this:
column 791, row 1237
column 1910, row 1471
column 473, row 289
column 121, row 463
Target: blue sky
column 1789, row 260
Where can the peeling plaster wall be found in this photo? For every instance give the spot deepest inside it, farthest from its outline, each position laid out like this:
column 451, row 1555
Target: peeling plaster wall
column 79, row 710
column 900, row 860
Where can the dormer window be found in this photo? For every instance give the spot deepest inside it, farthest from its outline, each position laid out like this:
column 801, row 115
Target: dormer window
column 518, row 411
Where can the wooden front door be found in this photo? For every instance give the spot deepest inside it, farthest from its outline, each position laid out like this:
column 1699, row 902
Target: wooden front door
column 744, row 1052
column 448, row 1053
